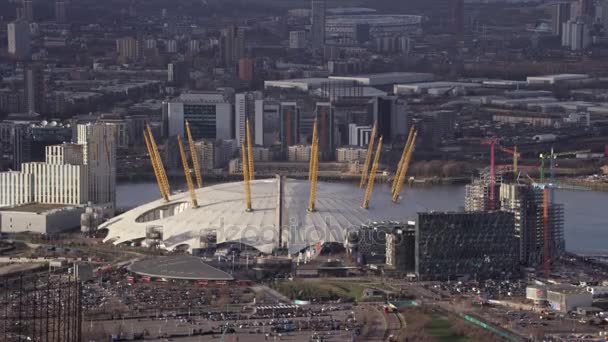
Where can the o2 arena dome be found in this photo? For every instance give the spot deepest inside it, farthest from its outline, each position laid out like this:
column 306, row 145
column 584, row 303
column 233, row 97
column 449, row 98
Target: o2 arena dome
column 279, row 218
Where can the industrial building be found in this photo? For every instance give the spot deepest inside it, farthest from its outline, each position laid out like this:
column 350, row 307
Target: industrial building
column 387, row 78
column 477, row 245
column 561, row 297
column 45, row 219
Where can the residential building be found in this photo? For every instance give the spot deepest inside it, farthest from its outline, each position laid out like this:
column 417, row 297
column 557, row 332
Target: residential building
column 298, row 153
column 127, row 49
column 60, row 12
column 19, row 39
column 392, row 118
column 34, row 89
column 15, row 188
column 267, row 122
column 359, row 135
column 289, row 123
column 244, row 108
column 560, row 14
column 99, row 155
column 232, row 45
column 28, row 10
column 350, row 154
column 317, row 22
column 246, row 69
column 297, row 39
column 178, row 73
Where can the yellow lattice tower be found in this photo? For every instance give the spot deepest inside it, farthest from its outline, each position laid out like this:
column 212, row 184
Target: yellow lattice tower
column 161, row 167
column 372, row 176
column 155, row 168
column 368, row 156
column 403, row 154
column 246, row 178
column 182, row 153
column 314, row 138
column 194, row 154
column 405, row 167
column 314, row 155
column 251, row 170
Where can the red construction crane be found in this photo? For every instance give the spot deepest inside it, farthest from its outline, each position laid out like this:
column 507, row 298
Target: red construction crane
column 493, row 142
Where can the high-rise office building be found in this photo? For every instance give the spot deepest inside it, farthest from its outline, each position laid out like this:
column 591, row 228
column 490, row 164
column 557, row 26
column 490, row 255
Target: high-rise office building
column 209, row 114
column 560, row 13
column 34, row 89
column 19, row 39
column 28, row 10
column 244, row 108
column 232, row 45
column 359, row 135
column 317, row 24
column 99, row 155
column 391, row 115
column 604, row 5
column 583, row 10
column 16, row 142
column 60, row 11
column 127, row 49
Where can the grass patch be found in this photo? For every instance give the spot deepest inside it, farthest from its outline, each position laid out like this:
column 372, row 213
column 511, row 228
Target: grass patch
column 322, row 290
column 441, row 329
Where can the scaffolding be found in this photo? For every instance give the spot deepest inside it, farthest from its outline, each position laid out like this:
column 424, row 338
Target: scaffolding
column 41, row 307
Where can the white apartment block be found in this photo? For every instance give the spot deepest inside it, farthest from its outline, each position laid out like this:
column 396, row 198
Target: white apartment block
column 350, row 154
column 298, row 153
column 66, row 153
column 58, row 183
column 15, row 188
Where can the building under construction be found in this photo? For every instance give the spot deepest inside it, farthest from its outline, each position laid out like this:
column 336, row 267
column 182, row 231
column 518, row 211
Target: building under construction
column 477, row 194
column 41, row 307
column 526, row 202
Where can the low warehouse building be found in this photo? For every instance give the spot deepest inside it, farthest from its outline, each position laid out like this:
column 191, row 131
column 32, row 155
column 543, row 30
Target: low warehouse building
column 568, row 298
column 40, row 218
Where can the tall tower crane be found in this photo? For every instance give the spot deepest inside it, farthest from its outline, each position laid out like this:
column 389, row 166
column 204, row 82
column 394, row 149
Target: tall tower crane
column 493, row 142
column 187, row 172
column 159, row 180
column 552, row 156
column 372, row 176
column 404, row 167
column 314, row 157
column 250, row 152
column 246, row 178
column 159, row 162
column 195, row 164
column 368, row 155
column 546, row 234
column 403, row 156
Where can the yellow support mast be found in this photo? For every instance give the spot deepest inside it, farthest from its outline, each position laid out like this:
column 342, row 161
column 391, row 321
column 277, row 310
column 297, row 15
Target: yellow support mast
column 159, row 161
column 372, row 176
column 182, row 152
column 314, row 156
column 404, row 167
column 246, row 178
column 155, row 168
column 314, row 138
column 251, row 170
column 195, row 164
column 403, row 154
column 368, row 156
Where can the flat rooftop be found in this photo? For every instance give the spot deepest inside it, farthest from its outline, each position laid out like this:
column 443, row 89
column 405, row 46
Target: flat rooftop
column 178, row 267
column 37, row 208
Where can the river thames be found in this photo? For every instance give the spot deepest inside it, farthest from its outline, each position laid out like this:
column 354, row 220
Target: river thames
column 586, row 212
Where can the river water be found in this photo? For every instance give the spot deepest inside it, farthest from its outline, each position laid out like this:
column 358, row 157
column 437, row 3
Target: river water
column 586, row 212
